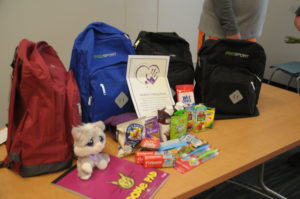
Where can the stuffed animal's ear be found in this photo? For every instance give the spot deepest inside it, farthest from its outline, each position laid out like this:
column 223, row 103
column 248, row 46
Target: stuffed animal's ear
column 76, row 132
column 100, row 125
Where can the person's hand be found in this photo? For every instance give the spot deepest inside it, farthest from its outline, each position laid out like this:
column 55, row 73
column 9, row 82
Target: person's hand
column 292, row 40
column 236, row 36
column 297, row 22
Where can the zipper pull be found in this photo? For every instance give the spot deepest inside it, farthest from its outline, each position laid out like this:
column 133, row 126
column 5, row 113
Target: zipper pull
column 79, row 108
column 90, row 101
column 127, row 36
column 257, row 78
column 136, row 43
column 103, row 89
column 252, row 85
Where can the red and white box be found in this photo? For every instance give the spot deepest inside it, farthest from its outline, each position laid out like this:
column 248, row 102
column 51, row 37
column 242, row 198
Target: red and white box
column 159, row 161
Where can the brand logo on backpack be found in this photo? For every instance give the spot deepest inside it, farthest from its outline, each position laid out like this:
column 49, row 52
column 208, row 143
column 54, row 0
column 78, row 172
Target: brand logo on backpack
column 105, row 55
column 236, row 54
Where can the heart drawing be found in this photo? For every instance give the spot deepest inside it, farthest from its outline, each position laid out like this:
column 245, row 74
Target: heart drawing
column 147, row 74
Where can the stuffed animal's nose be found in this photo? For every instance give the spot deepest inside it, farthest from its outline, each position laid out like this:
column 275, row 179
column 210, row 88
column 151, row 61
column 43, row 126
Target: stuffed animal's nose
column 99, row 145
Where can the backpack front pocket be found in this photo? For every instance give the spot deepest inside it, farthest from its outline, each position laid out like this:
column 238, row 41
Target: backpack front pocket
column 232, row 90
column 109, row 93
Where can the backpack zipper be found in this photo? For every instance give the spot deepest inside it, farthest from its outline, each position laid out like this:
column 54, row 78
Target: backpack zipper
column 103, row 89
column 252, row 84
column 137, row 43
column 257, row 78
column 91, row 97
column 90, row 100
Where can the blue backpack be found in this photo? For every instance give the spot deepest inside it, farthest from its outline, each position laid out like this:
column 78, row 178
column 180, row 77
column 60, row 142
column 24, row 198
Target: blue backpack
column 99, row 62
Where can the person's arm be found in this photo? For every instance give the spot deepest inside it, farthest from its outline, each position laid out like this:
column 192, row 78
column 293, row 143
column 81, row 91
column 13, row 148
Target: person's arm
column 227, row 19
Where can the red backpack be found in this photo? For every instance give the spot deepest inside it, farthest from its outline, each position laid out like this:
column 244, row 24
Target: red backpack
column 43, row 107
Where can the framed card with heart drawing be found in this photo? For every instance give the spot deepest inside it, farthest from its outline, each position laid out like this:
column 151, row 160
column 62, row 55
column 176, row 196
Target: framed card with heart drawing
column 148, row 83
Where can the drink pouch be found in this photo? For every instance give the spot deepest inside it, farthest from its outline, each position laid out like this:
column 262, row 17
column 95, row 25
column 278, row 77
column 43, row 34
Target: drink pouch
column 178, row 125
column 164, row 119
column 199, row 118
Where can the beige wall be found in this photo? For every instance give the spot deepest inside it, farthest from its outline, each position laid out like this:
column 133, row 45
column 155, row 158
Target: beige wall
column 59, row 21
column 56, row 21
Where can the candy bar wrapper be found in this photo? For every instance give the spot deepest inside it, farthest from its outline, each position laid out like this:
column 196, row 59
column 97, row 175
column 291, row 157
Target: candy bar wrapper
column 152, row 128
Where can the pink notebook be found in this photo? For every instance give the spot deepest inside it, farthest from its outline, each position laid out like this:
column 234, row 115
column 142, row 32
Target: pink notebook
column 121, row 179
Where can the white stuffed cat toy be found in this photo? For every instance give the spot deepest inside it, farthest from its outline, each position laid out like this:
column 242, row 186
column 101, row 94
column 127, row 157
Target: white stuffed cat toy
column 89, row 141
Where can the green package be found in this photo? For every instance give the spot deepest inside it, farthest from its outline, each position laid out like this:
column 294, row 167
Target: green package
column 178, row 125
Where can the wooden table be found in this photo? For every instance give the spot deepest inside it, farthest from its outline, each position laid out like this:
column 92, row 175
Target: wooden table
column 244, row 143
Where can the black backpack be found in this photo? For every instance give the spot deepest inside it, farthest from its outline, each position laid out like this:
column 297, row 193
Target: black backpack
column 228, row 77
column 181, row 69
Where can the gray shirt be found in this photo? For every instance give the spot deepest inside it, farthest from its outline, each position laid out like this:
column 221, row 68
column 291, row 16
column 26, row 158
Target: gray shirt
column 220, row 18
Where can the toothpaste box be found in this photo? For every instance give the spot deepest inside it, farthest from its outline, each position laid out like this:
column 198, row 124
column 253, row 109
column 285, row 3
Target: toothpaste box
column 159, row 161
